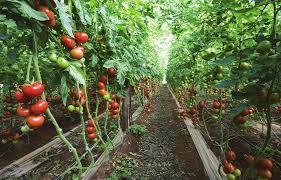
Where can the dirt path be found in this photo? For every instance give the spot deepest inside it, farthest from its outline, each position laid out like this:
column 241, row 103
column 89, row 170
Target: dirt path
column 167, row 150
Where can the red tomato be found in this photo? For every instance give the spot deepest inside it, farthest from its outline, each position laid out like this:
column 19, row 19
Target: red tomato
column 223, row 100
column 90, row 129
column 239, row 120
column 76, row 53
column 81, row 48
column 20, row 97
column 245, row 112
column 90, row 123
column 47, row 11
column 216, row 104
column 103, row 79
column 230, row 155
column 23, row 112
column 201, row 104
column 100, row 85
column 115, row 105
column 265, row 164
column 115, row 111
column 67, row 42
column 39, row 107
column 92, row 136
column 36, row 3
column 35, row 121
column 51, row 23
column 81, row 37
column 111, row 72
column 32, row 91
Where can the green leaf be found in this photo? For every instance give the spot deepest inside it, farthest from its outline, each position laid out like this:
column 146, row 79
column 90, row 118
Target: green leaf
column 109, row 64
column 65, row 18
column 83, row 14
column 77, row 74
column 27, row 11
column 63, row 90
column 94, row 60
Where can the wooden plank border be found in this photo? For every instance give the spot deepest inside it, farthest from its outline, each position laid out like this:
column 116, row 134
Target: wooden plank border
column 28, row 162
column 208, row 158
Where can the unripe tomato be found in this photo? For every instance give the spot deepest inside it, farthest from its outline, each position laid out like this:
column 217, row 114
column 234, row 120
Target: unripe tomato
column 25, row 129
column 81, row 37
column 76, row 53
column 71, row 108
column 35, row 121
column 67, row 42
column 231, row 177
column 62, row 63
column 237, row 173
column 53, row 57
column 102, row 92
column 106, row 96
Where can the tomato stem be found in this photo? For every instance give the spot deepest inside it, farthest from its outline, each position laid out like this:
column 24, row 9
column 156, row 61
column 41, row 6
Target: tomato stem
column 52, row 118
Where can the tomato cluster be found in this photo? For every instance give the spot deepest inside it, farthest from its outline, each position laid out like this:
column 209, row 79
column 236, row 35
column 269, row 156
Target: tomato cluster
column 113, row 107
column 241, row 118
column 30, row 107
column 70, row 43
column 219, row 107
column 228, row 167
column 90, row 129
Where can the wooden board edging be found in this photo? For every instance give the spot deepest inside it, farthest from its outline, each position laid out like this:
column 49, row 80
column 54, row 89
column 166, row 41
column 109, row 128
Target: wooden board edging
column 208, row 158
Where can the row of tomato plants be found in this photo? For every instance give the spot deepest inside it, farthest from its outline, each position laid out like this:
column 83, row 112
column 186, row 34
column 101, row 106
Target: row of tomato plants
column 231, row 61
column 92, row 58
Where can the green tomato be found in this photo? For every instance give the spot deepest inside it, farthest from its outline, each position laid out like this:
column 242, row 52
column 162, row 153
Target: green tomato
column 237, row 173
column 24, row 129
column 15, row 142
column 106, row 97
column 78, row 109
column 63, row 63
column 215, row 81
column 231, row 177
column 4, row 141
column 215, row 117
column 53, row 57
column 71, row 108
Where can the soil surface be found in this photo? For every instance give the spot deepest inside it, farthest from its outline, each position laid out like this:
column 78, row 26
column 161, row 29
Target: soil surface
column 166, row 151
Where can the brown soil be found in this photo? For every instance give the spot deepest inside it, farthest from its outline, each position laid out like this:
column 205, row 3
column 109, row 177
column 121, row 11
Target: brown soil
column 166, row 151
